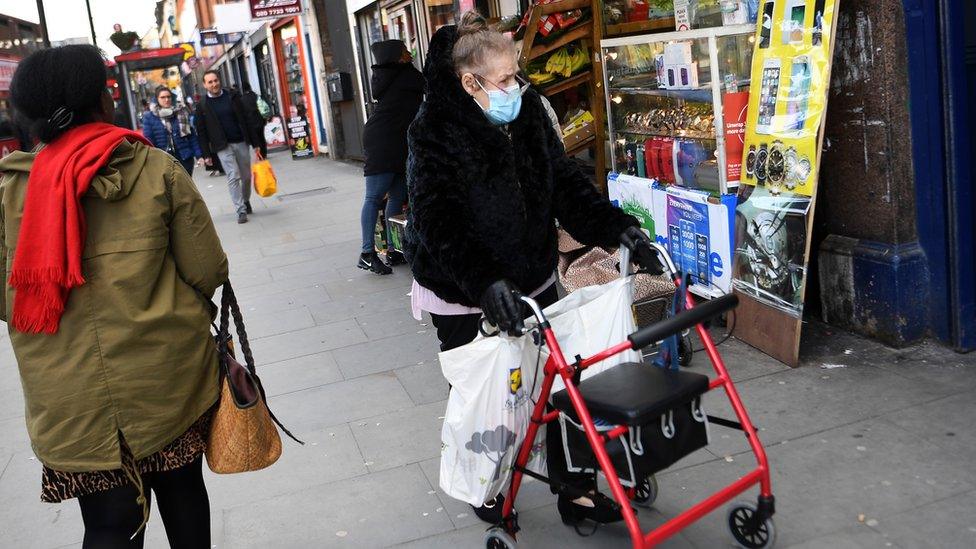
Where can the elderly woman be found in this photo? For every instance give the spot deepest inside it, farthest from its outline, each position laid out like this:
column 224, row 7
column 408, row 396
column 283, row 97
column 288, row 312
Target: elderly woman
column 487, row 180
column 167, row 125
column 108, row 257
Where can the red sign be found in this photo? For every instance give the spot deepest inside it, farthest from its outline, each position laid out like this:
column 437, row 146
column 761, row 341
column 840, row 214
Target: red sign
column 734, row 113
column 7, row 67
column 273, row 9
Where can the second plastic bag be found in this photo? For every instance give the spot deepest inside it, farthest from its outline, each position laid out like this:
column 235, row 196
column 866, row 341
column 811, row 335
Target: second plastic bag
column 265, row 183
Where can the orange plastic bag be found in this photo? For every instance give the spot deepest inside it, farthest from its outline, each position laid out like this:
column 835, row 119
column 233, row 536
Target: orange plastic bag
column 263, row 177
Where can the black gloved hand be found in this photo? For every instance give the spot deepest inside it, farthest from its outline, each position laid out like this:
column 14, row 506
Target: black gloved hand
column 639, row 245
column 502, row 306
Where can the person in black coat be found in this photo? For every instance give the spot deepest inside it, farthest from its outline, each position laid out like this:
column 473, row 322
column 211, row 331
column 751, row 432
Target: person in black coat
column 398, row 88
column 250, row 101
column 487, row 180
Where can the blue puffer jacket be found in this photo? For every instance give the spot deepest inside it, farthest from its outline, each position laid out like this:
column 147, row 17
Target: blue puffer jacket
column 155, row 131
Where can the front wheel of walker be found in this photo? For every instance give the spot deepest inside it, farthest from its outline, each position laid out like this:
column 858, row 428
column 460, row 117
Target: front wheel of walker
column 497, row 538
column 645, row 493
column 748, row 533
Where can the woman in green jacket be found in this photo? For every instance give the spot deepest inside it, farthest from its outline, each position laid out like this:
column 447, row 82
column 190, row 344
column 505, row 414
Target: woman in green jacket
column 108, row 259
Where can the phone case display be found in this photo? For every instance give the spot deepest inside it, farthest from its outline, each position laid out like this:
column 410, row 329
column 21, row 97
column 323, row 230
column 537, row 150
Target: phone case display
column 794, row 46
column 640, row 16
column 692, row 225
column 676, row 112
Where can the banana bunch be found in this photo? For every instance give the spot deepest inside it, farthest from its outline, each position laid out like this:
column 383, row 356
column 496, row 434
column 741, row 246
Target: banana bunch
column 564, row 62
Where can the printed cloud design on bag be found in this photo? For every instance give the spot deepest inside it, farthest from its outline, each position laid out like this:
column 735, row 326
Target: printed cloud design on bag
column 495, row 442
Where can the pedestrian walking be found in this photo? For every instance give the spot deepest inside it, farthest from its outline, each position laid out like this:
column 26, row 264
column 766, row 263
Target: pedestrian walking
column 112, row 249
column 224, row 130
column 252, row 108
column 398, row 88
column 488, row 178
column 167, row 126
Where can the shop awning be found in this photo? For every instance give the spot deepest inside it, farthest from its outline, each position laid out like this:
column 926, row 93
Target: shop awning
column 151, row 59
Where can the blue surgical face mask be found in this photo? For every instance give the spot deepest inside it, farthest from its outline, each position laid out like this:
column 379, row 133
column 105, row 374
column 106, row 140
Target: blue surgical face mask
column 503, row 106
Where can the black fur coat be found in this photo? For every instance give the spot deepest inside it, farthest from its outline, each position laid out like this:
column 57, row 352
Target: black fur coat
column 483, row 201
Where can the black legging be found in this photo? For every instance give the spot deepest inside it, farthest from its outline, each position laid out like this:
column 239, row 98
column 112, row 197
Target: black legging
column 112, row 516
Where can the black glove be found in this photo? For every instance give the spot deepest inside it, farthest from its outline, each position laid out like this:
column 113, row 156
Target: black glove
column 502, row 306
column 639, row 245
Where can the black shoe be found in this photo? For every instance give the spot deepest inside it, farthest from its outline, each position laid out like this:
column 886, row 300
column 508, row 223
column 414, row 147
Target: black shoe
column 574, row 514
column 491, row 512
column 241, row 218
column 247, row 207
column 369, row 261
column 394, row 258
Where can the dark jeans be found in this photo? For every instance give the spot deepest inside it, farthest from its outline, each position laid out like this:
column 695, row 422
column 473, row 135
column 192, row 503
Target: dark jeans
column 187, row 164
column 457, row 330
column 111, row 516
column 377, row 187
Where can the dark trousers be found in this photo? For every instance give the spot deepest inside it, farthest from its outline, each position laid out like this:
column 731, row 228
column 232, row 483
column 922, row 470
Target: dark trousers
column 392, row 186
column 112, row 516
column 187, row 164
column 457, row 330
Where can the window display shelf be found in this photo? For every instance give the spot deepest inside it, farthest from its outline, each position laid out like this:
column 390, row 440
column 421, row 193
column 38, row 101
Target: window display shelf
column 635, row 27
column 676, row 135
column 700, row 95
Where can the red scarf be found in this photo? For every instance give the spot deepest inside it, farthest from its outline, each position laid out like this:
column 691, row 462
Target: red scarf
column 47, row 262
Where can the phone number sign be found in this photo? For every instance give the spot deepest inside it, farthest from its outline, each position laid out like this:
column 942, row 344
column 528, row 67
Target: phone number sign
column 273, row 9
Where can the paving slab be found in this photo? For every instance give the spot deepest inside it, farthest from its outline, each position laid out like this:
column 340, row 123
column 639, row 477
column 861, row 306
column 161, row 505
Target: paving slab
column 385, row 354
column 401, row 437
column 342, row 514
column 342, row 402
column 308, row 341
column 296, row 374
column 423, row 382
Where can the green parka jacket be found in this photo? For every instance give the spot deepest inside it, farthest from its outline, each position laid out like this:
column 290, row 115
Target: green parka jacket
column 133, row 353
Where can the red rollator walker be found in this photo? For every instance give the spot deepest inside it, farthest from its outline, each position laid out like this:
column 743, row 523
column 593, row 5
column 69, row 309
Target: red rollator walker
column 638, row 419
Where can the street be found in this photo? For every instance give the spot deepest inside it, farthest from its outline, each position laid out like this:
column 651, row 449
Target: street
column 869, row 446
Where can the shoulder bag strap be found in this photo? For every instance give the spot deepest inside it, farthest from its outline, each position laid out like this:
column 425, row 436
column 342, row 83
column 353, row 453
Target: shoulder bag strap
column 229, row 305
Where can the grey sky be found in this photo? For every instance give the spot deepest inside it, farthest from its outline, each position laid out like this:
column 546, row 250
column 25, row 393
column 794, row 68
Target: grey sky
column 69, row 19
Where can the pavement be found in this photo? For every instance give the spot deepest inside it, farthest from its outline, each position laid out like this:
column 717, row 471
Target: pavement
column 869, row 446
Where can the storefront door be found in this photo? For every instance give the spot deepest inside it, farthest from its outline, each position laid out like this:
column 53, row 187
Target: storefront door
column 402, row 26
column 291, row 69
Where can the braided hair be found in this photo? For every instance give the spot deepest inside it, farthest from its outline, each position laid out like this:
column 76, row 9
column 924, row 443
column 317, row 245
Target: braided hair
column 56, row 89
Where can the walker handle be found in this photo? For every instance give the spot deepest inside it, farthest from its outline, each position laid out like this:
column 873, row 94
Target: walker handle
column 682, row 321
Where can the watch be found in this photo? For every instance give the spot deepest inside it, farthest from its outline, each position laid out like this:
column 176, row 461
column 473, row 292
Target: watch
column 776, row 165
column 761, row 157
column 750, row 161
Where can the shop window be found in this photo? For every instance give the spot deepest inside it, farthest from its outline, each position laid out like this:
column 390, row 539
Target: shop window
column 293, row 70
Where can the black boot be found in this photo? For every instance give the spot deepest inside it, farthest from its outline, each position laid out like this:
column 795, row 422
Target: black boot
column 394, row 258
column 574, row 514
column 491, row 512
column 247, row 207
column 369, row 261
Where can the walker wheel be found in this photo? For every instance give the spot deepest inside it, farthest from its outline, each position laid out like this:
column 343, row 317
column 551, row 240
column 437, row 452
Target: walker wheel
column 497, row 538
column 746, row 534
column 645, row 493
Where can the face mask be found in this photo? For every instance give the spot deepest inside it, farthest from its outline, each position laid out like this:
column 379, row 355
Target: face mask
column 503, row 107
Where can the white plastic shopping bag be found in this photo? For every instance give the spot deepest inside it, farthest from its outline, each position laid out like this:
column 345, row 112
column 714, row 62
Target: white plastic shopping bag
column 591, row 320
column 487, row 417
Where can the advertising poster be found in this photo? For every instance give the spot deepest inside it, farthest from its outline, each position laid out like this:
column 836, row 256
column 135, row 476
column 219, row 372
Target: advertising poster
column 734, row 109
column 273, row 9
column 780, row 160
column 301, row 146
column 691, row 225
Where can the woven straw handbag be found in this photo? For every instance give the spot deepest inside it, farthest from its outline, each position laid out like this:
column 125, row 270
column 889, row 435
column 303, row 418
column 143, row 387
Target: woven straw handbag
column 243, row 433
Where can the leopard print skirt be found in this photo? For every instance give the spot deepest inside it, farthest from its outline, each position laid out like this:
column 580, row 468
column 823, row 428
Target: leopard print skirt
column 57, row 486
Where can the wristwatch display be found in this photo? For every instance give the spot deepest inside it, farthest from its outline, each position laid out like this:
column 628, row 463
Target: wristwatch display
column 751, row 162
column 761, row 157
column 776, row 166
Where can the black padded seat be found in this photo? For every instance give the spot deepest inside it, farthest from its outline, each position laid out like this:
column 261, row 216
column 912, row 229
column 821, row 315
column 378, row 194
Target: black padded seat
column 634, row 394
